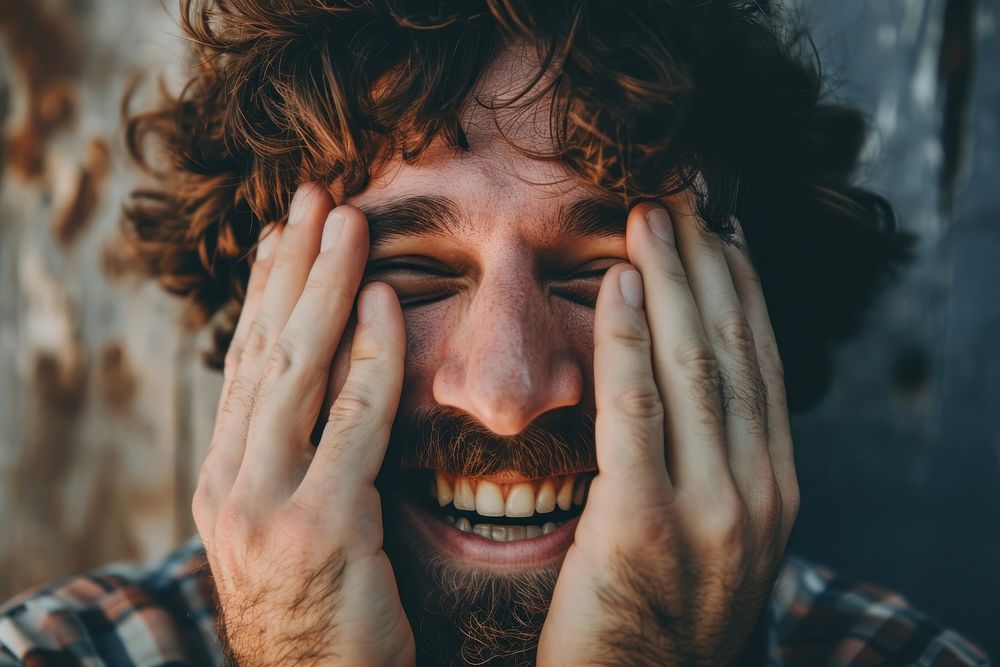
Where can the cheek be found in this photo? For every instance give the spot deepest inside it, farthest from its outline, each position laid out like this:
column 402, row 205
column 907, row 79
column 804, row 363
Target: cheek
column 428, row 331
column 577, row 324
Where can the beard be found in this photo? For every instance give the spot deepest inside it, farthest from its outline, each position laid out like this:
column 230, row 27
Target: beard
column 462, row 615
column 467, row 617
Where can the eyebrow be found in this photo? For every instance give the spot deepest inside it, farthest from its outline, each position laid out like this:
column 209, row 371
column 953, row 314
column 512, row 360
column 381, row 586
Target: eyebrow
column 593, row 216
column 421, row 215
column 429, row 215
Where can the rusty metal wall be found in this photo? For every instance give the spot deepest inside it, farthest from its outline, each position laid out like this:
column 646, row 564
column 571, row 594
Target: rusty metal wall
column 105, row 409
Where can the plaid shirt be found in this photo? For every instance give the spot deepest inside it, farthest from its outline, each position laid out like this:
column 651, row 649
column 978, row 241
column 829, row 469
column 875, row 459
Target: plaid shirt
column 162, row 613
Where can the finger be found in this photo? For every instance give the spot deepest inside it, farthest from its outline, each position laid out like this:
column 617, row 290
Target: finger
column 751, row 295
column 732, row 340
column 296, row 247
column 297, row 371
column 353, row 444
column 234, row 402
column 629, row 428
column 293, row 258
column 684, row 363
column 259, row 273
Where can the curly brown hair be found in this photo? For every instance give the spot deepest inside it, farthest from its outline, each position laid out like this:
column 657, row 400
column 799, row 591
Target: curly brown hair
column 646, row 96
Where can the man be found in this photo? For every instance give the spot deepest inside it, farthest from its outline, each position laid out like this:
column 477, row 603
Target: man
column 503, row 386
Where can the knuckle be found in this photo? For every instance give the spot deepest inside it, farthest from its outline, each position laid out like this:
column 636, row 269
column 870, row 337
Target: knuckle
column 372, row 379
column 725, row 527
column 256, row 340
column 736, row 337
column 286, row 360
column 640, row 401
column 631, row 333
column 233, row 522
column 698, row 360
column 350, row 406
column 369, row 350
column 287, row 257
column 279, row 361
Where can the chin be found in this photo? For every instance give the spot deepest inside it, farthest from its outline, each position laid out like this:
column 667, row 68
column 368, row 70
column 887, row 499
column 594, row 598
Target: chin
column 476, row 559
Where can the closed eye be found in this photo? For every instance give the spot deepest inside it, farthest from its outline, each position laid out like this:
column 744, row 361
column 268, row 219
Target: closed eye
column 417, row 282
column 581, row 287
column 596, row 273
column 414, row 267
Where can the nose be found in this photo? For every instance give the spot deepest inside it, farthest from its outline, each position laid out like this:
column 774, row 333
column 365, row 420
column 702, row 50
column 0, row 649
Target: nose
column 508, row 365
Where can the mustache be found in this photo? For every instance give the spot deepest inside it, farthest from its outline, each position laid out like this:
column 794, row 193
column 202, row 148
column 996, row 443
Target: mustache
column 441, row 438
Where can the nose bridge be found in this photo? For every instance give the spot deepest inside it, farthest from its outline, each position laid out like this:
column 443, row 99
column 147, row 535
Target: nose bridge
column 512, row 365
column 507, row 347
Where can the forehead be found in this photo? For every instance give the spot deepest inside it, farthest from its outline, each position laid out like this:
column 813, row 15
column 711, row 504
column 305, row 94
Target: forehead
column 454, row 200
column 488, row 184
column 494, row 183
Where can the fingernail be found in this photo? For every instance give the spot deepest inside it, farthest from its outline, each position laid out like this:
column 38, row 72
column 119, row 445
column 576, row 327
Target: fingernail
column 267, row 241
column 332, row 230
column 367, row 305
column 659, row 223
column 630, row 284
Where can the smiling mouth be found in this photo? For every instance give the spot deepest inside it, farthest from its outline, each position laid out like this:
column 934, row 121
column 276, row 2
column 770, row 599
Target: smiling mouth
column 466, row 515
column 502, row 508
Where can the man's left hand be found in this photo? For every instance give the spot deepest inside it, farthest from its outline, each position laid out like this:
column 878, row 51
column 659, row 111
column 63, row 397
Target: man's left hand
column 686, row 522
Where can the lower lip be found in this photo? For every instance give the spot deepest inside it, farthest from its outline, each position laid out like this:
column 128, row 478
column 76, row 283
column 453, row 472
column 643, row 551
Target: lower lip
column 474, row 549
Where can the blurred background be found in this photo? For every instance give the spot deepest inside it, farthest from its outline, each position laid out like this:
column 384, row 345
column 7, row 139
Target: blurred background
column 105, row 408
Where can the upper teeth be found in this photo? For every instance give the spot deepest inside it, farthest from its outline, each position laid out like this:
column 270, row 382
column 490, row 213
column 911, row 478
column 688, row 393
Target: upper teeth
column 514, row 500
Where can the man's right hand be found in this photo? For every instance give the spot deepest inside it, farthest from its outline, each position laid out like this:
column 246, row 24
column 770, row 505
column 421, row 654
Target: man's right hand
column 293, row 533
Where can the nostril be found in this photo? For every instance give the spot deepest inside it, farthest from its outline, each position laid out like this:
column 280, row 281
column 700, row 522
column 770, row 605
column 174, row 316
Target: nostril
column 503, row 418
column 507, row 379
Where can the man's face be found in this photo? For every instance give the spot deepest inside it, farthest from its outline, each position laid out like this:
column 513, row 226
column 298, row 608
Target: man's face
column 497, row 277
column 497, row 259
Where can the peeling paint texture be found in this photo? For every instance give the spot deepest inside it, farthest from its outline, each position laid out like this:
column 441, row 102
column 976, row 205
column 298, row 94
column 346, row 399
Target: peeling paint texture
column 105, row 409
